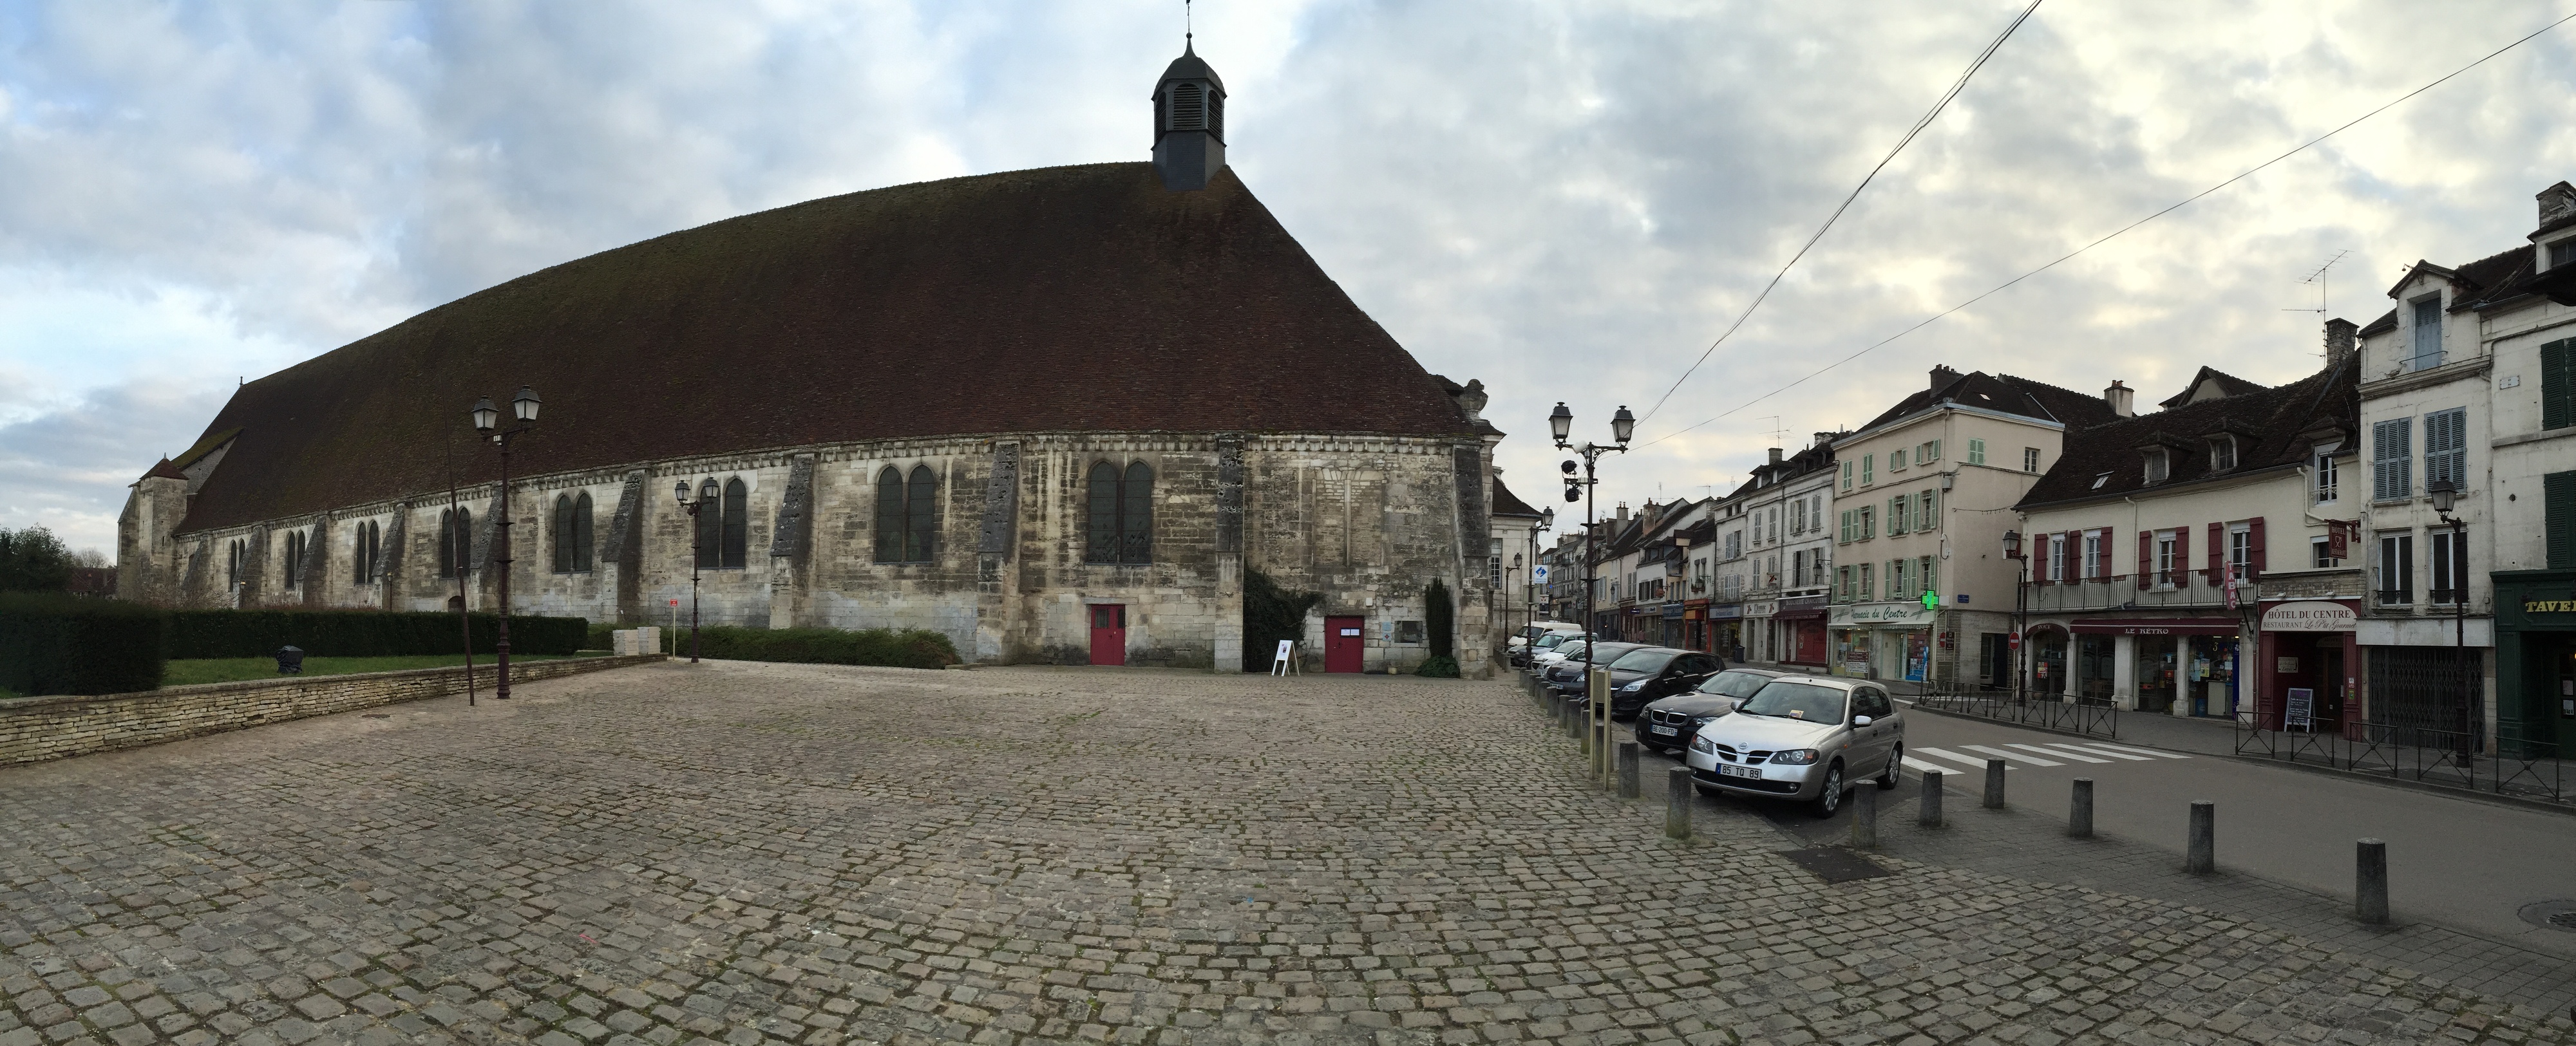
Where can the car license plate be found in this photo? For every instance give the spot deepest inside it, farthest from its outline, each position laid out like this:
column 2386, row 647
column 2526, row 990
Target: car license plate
column 1662, row 730
column 1724, row 770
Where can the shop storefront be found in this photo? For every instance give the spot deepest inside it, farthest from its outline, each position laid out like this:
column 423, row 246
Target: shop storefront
column 2536, row 662
column 1695, row 633
column 1726, row 632
column 1802, row 631
column 2173, row 666
column 1890, row 641
column 2308, row 665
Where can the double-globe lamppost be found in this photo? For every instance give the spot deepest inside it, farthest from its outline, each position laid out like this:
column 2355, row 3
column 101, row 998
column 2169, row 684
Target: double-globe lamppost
column 487, row 420
column 708, row 492
column 1595, row 685
column 1529, row 581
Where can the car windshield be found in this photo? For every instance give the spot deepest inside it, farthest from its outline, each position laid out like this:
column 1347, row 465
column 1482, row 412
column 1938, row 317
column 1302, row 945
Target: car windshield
column 1801, row 701
column 1734, row 684
column 1549, row 642
column 1649, row 659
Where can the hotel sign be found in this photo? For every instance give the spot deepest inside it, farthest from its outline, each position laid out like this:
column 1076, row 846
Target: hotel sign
column 2310, row 616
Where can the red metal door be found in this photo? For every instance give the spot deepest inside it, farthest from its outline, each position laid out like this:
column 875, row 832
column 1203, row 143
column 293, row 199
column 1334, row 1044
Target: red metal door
column 1344, row 644
column 1109, row 635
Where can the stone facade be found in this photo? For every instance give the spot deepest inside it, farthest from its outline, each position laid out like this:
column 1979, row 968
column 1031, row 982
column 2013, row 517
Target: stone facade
column 35, row 729
column 1368, row 521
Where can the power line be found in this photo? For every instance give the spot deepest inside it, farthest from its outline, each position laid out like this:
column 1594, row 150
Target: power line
column 1925, row 121
column 2186, row 201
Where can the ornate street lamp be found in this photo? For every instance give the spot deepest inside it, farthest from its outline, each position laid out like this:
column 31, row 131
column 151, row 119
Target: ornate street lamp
column 2021, row 589
column 707, row 496
column 487, row 421
column 1622, row 426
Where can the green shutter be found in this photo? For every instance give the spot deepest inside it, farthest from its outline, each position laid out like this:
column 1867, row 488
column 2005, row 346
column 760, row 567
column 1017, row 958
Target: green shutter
column 2560, row 500
column 2558, row 384
column 1976, row 452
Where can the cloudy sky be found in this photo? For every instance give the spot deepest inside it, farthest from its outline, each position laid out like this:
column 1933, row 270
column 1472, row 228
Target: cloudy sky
column 1567, row 200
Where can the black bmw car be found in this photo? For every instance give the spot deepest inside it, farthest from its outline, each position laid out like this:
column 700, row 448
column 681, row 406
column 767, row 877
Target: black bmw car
column 1669, row 724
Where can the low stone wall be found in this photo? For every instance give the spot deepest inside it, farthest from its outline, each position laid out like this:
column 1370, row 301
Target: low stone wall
column 35, row 729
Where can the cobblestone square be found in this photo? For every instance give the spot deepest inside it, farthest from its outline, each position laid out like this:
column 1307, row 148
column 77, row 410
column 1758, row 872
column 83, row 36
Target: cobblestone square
column 747, row 853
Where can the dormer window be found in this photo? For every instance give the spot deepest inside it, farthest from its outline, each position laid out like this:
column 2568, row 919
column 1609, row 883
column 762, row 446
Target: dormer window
column 2158, row 466
column 2561, row 253
column 2222, row 453
column 2428, row 333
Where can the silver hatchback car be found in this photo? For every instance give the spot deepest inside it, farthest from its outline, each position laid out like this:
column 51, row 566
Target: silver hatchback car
column 1803, row 738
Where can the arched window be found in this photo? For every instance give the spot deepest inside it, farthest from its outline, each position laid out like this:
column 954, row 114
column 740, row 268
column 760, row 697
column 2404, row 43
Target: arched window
column 907, row 515
column 1122, row 514
column 455, row 542
column 572, row 533
column 233, row 565
column 363, row 555
column 294, row 557
column 737, row 524
column 709, row 541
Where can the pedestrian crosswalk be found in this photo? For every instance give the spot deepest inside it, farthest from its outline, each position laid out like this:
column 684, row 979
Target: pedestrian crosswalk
column 2055, row 753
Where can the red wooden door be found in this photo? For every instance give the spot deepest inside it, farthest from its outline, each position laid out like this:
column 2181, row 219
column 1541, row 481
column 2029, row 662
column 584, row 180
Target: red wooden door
column 1109, row 635
column 1344, row 644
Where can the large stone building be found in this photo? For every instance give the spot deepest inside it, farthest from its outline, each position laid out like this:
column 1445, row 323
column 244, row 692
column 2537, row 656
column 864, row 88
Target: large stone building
column 1054, row 414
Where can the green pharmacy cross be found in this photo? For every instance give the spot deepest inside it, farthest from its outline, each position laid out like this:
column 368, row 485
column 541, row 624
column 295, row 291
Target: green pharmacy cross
column 1931, row 600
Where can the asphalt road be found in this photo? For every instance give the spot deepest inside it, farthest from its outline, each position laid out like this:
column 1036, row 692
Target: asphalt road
column 2459, row 862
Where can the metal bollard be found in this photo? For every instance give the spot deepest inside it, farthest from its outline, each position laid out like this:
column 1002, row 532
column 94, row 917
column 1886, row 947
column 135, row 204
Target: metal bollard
column 1864, row 826
column 2079, row 815
column 2370, row 882
column 1629, row 786
column 1677, row 803
column 2201, row 856
column 1994, row 784
column 1929, row 813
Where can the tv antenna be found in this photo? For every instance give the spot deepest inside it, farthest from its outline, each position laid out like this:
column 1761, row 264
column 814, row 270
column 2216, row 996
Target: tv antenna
column 1776, row 432
column 2318, row 277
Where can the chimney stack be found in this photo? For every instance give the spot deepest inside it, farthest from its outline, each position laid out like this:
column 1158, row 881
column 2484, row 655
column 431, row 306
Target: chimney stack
column 1942, row 376
column 2556, row 202
column 2341, row 338
column 2120, row 397
column 1775, row 455
column 1623, row 513
column 1825, row 438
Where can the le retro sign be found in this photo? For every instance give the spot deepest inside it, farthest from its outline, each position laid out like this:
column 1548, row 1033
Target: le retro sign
column 2310, row 616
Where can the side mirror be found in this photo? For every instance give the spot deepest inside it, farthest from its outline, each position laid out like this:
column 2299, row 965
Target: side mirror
column 1735, row 705
column 1860, row 720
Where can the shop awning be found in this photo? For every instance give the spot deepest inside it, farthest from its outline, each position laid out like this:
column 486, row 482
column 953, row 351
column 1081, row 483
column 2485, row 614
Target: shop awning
column 2159, row 626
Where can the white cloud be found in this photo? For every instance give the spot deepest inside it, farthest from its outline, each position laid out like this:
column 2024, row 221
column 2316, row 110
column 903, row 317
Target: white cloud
column 1564, row 200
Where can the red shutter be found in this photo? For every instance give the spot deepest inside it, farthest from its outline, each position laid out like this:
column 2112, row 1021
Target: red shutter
column 2255, row 555
column 2039, row 558
column 2182, row 557
column 2146, row 558
column 2218, row 553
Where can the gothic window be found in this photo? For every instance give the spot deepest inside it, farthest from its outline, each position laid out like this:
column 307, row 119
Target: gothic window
column 233, row 564
column 737, row 524
column 455, row 542
column 294, row 557
column 708, row 542
column 907, row 515
column 1122, row 514
column 572, row 533
column 366, row 551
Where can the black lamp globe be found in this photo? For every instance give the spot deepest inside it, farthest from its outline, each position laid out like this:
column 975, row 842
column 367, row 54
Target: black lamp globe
column 1623, row 425
column 1546, row 518
column 707, row 491
column 2443, row 494
column 524, row 405
column 485, row 415
column 2012, row 544
column 680, row 491
column 1561, row 423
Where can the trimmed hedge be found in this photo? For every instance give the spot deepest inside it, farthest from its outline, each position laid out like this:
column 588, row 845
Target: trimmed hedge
column 362, row 633
column 911, row 648
column 52, row 644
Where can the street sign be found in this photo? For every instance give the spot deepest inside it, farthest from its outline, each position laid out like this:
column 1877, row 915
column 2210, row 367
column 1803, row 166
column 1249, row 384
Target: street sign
column 1539, row 573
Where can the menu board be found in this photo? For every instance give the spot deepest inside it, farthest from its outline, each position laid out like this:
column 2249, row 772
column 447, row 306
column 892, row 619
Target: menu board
column 2301, row 714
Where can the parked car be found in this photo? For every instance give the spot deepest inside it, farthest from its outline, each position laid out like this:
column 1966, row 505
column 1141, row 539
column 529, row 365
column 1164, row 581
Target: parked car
column 1566, row 676
column 1526, row 656
column 1803, row 738
column 1569, row 649
column 1669, row 724
column 1654, row 672
column 1523, row 636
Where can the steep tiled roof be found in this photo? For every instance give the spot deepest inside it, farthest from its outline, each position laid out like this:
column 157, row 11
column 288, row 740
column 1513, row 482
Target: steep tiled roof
column 1507, row 505
column 2228, row 385
column 2275, row 420
column 164, row 470
column 1066, row 299
column 2385, row 323
column 2008, row 394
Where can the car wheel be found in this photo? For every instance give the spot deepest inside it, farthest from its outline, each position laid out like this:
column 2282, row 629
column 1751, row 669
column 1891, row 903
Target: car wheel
column 1831, row 799
column 1887, row 778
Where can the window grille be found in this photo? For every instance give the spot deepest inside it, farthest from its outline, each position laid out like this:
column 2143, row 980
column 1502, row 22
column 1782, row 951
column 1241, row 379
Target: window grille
column 2446, row 449
column 2423, row 689
column 2391, row 446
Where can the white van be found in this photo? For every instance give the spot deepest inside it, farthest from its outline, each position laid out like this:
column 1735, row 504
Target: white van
column 1533, row 630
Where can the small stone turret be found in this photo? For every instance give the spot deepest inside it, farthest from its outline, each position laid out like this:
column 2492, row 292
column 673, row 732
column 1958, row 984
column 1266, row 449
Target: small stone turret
column 1189, row 123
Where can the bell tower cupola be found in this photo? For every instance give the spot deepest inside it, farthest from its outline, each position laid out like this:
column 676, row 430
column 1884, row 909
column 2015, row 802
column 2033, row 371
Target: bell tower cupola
column 1189, row 123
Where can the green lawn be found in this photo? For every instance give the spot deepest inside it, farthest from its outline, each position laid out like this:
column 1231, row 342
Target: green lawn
column 235, row 669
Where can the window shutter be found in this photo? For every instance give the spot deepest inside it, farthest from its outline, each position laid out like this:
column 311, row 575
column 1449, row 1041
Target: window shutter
column 2146, row 558
column 2558, row 384
column 2217, row 553
column 2559, row 497
column 2391, row 451
column 2040, row 557
column 2254, row 556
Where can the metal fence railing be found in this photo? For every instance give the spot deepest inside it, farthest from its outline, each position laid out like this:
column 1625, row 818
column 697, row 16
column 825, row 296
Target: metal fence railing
column 2449, row 758
column 2078, row 715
